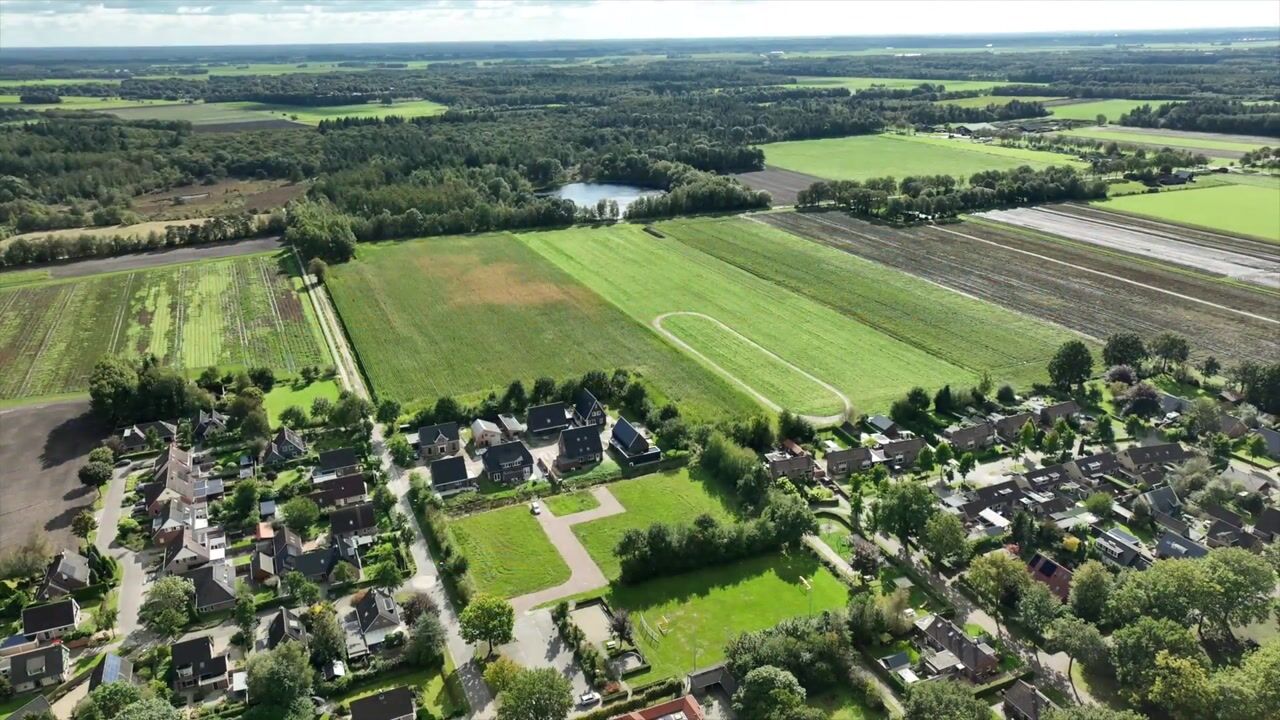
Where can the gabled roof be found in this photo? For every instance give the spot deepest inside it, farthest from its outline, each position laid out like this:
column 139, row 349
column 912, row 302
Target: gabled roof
column 69, row 567
column 329, row 492
column 443, row 432
column 1175, row 546
column 377, row 610
column 197, row 654
column 545, row 418
column 1097, row 465
column 972, row 654
column 966, row 433
column 448, row 471
column 352, row 518
column 1220, row 513
column 1046, row 570
column 480, row 426
column 339, row 458
column 628, row 436
column 36, row 665
column 50, row 616
column 585, row 403
column 286, row 436
column 38, row 705
column 880, row 423
column 1051, row 475
column 506, row 455
column 1272, row 440
column 1152, row 454
column 1028, row 699
column 386, row 705
column 285, row 543
column 1060, row 410
column 188, row 544
column 215, row 583
column 1268, row 521
column 1011, row 425
column 285, row 625
column 113, row 668
column 212, row 420
column 317, row 562
column 1162, row 499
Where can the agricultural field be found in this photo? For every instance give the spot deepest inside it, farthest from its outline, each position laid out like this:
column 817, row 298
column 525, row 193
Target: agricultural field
column 1229, row 147
column 1081, row 287
column 866, row 156
column 313, row 115
column 469, row 314
column 490, row 540
column 649, row 278
column 1090, row 109
column 234, row 313
column 81, row 102
column 855, row 84
column 197, row 114
column 982, row 101
column 963, row 331
column 137, row 230
column 671, row 497
column 695, row 614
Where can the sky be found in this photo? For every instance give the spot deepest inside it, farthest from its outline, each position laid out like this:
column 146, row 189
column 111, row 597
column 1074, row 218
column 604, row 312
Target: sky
column 63, row 23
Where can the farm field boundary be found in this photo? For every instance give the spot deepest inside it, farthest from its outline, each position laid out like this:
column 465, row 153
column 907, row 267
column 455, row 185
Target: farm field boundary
column 1247, row 211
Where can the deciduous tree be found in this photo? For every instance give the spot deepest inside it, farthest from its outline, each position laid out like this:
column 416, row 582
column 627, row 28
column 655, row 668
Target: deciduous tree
column 1080, row 640
column 168, row 606
column 487, row 618
column 1090, row 590
column 536, row 694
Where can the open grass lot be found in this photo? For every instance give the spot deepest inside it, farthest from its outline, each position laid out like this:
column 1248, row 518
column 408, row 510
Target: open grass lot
column 649, row 277
column 862, row 83
column 313, row 115
column 286, row 394
column 1089, row 110
column 136, row 230
column 701, row 611
column 509, row 554
column 570, row 503
column 1241, row 209
column 961, row 330
column 234, row 313
column 670, row 497
column 457, row 315
column 867, row 156
column 434, row 693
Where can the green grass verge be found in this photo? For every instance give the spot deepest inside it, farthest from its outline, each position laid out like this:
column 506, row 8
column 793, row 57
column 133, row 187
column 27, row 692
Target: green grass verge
column 570, row 503
column 287, row 394
column 1241, row 209
column 508, row 552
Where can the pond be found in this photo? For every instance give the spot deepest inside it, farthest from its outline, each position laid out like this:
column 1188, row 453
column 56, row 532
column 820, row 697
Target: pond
column 588, row 194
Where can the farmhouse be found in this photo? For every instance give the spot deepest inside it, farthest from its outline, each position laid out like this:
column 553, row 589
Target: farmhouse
column 42, row 667
column 285, row 625
column 631, row 444
column 975, row 660
column 509, row 463
column 790, row 461
column 339, row 491
column 215, row 586
column 113, row 668
column 207, row 426
column 135, row 438
column 1051, row 575
column 841, row 463
column 485, row 434
column 285, row 446
column 449, row 476
column 587, row 410
column 195, row 667
column 53, row 620
column 342, row 461
column 970, row 437
column 579, row 446
column 547, row 420
column 378, row 616
column 67, row 572
column 397, row 704
column 438, row 440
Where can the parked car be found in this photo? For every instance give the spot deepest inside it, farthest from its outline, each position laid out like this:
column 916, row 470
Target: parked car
column 535, row 508
column 590, row 697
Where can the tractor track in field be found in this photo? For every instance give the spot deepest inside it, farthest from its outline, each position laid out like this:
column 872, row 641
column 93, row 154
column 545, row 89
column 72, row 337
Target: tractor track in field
column 816, row 420
column 44, row 344
column 121, row 314
column 275, row 312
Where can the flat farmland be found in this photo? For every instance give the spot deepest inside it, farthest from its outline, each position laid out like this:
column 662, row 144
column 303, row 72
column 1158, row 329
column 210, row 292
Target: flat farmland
column 80, row 102
column 1241, row 209
column 469, row 314
column 649, row 277
column 1215, row 145
column 1086, row 109
column 783, row 185
column 982, row 101
column 1078, row 286
column 966, row 332
column 312, row 115
column 241, row 312
column 866, row 156
column 855, row 84
column 195, row 113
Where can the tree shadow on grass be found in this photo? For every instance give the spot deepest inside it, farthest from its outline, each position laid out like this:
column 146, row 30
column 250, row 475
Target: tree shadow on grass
column 703, row 582
column 71, row 440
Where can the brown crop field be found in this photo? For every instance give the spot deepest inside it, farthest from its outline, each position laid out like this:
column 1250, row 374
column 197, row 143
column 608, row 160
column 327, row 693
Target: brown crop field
column 1084, row 288
column 783, row 185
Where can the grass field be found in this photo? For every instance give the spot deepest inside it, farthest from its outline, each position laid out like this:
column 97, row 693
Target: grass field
column 701, row 611
column 247, row 311
column 458, row 315
column 508, row 552
column 648, row 277
column 867, row 156
column 1243, row 209
column 963, row 331
column 313, row 115
column 286, row 394
column 1167, row 139
column 194, row 113
column 1112, row 109
column 982, row 101
column 570, row 503
column 862, row 83
column 81, row 102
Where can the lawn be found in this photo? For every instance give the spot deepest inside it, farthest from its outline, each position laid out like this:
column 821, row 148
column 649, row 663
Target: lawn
column 961, row 330
column 862, row 83
column 670, row 497
column 690, row 617
column 434, row 692
column 508, row 552
column 843, row 703
column 570, row 503
column 650, row 277
column 233, row 313
column 1168, row 138
column 469, row 314
column 1241, row 209
column 289, row 393
column 1113, row 109
column 835, row 536
column 866, row 156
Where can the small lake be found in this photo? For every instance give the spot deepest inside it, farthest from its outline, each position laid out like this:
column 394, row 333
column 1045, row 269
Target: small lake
column 588, row 194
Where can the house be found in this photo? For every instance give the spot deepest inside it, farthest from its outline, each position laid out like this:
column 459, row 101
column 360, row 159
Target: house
column 1232, row 426
column 792, row 462
column 215, row 585
column 37, row 708
column 1171, row 545
column 1162, row 500
column 175, row 517
column 67, row 572
column 1121, row 549
column 1047, row 479
column 342, row 461
column 1268, row 525
column 975, row 660
column 685, row 707
column 546, row 420
column 630, row 443
column 1052, row 575
column 51, row 620
column 195, row 667
column 378, row 616
column 509, row 462
column 844, row 462
column 1002, row 498
column 1023, row 701
column 1051, row 414
column 883, row 425
column 901, row 454
column 510, row 426
column 965, row 438
column 1139, row 460
column 435, row 441
column 1251, row 482
column 113, row 668
column 485, row 434
column 285, row 625
column 580, row 446
column 339, row 491
column 42, row 667
column 1093, row 468
column 449, row 476
column 285, row 446
column 1218, row 512
column 1230, row 397
column 1009, row 428
column 317, row 563
column 587, row 410
column 277, row 555
column 186, row 554
column 134, row 438
column 396, row 704
column 353, row 521
column 207, row 426
column 1271, row 441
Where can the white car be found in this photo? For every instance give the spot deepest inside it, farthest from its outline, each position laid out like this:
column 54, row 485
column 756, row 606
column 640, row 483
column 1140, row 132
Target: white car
column 535, row 508
column 589, row 698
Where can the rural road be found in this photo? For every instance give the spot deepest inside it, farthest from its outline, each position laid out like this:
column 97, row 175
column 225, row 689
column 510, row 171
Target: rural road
column 585, row 574
column 816, row 420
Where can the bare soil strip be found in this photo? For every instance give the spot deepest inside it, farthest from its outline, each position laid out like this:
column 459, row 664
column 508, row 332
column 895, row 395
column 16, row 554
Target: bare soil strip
column 783, row 185
column 1200, row 236
column 1083, row 288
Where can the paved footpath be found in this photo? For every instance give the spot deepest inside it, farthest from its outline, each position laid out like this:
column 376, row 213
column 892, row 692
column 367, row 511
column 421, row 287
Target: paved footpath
column 585, row 574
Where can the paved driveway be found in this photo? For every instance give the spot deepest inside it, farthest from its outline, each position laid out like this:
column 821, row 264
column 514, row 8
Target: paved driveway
column 585, row 574
column 537, row 644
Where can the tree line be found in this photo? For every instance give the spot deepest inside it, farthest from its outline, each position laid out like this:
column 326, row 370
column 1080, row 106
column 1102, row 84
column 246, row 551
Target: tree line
column 1209, row 115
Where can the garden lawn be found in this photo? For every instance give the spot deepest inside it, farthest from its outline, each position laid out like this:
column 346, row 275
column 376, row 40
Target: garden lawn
column 1241, row 209
column 671, row 497
column 866, row 156
column 1113, row 109
column 289, row 393
column 648, row 277
column 434, row 692
column 570, row 503
column 843, row 703
column 508, row 552
column 964, row 331
column 700, row 611
column 466, row 315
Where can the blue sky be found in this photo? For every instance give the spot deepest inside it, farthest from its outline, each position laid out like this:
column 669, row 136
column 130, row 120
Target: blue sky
column 233, row 22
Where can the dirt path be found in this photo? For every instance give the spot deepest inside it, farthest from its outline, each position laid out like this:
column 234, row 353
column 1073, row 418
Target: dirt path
column 816, row 420
column 585, row 574
column 348, row 371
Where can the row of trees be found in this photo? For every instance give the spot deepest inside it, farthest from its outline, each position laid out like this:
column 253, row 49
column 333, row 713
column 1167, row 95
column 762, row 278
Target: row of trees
column 1209, row 115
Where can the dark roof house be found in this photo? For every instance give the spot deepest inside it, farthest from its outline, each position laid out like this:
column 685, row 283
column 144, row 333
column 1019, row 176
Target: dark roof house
column 68, row 572
column 1009, row 428
column 195, row 665
column 215, row 585
column 580, row 445
column 547, row 419
column 377, row 610
column 509, row 462
column 50, row 620
column 38, row 668
column 449, row 476
column 338, row 462
column 1054, row 576
column 632, row 444
column 587, row 410
column 285, row 625
column 1140, row 458
column 1023, row 701
column 113, row 668
column 882, row 425
column 206, row 425
column 353, row 519
column 1175, row 546
column 978, row 659
column 285, row 446
column 339, row 491
column 397, row 704
column 1051, row 414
